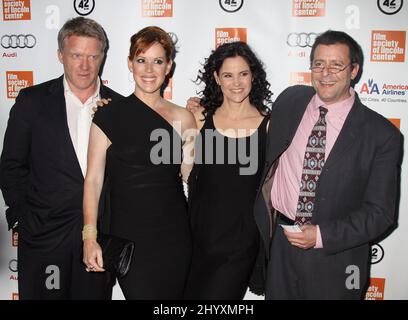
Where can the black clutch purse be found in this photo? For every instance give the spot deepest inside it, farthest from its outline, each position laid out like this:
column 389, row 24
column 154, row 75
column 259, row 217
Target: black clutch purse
column 117, row 253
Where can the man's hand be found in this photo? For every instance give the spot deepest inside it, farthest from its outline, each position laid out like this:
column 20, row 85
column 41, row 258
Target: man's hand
column 193, row 105
column 305, row 239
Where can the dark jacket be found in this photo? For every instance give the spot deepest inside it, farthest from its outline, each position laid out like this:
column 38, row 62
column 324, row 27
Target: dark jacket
column 40, row 176
column 356, row 194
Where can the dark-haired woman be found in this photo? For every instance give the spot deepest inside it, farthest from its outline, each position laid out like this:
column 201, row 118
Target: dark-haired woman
column 147, row 199
column 229, row 156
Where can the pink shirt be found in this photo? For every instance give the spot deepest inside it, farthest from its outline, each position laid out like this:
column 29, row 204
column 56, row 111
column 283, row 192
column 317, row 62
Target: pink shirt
column 286, row 183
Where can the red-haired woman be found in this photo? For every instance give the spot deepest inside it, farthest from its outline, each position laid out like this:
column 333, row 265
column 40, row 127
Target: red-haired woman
column 147, row 200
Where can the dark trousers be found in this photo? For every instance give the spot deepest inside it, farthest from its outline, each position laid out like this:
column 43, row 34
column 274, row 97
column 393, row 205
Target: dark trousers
column 294, row 273
column 59, row 275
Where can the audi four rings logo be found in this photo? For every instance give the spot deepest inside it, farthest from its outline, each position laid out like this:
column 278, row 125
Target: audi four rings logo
column 13, row 265
column 302, row 39
column 18, row 41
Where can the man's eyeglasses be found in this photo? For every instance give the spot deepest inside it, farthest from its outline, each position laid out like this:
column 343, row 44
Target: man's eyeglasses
column 331, row 69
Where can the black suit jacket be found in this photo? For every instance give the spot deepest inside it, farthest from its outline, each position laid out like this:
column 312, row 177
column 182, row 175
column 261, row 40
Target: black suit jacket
column 40, row 175
column 357, row 189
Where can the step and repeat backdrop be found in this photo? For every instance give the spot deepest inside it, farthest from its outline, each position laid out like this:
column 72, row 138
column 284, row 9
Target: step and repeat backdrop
column 280, row 32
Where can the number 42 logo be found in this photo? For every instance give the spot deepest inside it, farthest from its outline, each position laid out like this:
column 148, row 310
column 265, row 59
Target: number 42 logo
column 84, row 7
column 389, row 6
column 231, row 5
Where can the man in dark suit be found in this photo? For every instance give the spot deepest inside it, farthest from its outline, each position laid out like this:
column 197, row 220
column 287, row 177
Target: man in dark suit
column 43, row 165
column 331, row 170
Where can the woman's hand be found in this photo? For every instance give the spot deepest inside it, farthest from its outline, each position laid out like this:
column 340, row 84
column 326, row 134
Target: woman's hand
column 93, row 256
column 101, row 103
column 194, row 106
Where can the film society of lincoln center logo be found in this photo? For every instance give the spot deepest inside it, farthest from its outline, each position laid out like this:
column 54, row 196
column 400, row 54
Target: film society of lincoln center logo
column 375, row 290
column 308, row 8
column 227, row 35
column 397, row 123
column 16, row 10
column 388, row 46
column 303, row 78
column 14, row 238
column 157, row 8
column 17, row 80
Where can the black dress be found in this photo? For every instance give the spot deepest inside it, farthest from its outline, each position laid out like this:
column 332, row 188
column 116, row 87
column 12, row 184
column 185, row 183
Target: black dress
column 225, row 236
column 147, row 199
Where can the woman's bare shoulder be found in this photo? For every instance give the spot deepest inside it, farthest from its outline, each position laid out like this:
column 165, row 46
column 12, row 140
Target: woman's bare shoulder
column 181, row 113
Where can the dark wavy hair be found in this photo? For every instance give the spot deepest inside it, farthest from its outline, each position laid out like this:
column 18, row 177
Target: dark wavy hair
column 211, row 95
